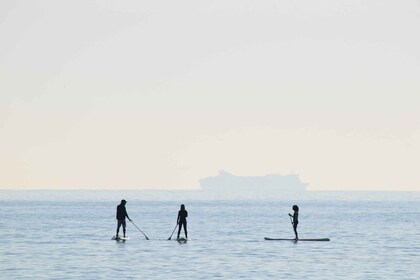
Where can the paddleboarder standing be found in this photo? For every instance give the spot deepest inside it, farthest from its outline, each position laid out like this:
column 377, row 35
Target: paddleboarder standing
column 182, row 220
column 121, row 215
column 295, row 221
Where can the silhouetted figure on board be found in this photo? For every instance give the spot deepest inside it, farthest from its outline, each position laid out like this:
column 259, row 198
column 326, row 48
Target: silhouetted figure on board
column 295, row 221
column 121, row 214
column 182, row 220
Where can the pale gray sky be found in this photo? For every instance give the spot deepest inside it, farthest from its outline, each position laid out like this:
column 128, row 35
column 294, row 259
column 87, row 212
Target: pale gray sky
column 158, row 94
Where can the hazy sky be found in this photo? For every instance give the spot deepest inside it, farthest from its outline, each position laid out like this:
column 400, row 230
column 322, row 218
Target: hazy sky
column 158, row 94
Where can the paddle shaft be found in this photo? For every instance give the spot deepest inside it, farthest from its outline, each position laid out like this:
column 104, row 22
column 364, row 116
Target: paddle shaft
column 173, row 232
column 147, row 238
column 293, row 226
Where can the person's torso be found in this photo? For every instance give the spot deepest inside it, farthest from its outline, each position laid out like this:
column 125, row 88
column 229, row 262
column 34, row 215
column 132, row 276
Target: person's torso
column 121, row 212
column 296, row 216
column 183, row 214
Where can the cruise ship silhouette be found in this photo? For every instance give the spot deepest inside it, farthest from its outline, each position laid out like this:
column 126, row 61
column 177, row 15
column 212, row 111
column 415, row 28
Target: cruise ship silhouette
column 273, row 182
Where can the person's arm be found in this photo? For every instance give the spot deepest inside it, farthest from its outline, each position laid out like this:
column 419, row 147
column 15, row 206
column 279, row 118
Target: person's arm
column 126, row 214
column 186, row 213
column 177, row 219
column 292, row 220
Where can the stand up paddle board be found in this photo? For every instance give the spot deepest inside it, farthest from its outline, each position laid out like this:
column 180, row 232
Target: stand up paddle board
column 310, row 239
column 182, row 240
column 119, row 238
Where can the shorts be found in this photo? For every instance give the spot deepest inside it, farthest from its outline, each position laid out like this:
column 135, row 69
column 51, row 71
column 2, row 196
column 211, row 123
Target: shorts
column 121, row 222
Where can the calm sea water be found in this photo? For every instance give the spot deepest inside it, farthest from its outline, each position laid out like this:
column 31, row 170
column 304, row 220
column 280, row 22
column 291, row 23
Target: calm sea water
column 67, row 235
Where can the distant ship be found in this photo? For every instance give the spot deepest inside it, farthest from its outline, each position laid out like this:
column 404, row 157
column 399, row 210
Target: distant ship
column 273, row 182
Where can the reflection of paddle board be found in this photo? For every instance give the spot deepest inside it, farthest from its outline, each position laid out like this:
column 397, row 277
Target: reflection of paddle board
column 182, row 240
column 311, row 239
column 119, row 238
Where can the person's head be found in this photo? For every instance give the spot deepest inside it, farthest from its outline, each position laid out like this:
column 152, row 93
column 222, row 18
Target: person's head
column 123, row 202
column 295, row 208
column 182, row 207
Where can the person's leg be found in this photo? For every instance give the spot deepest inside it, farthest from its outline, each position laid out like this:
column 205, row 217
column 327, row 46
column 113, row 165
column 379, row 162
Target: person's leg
column 179, row 229
column 295, row 230
column 123, row 225
column 185, row 229
column 118, row 227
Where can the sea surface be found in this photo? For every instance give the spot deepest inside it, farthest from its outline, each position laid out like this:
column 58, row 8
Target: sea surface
column 67, row 235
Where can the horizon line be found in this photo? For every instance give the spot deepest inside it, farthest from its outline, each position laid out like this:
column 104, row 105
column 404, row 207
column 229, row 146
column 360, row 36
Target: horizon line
column 195, row 189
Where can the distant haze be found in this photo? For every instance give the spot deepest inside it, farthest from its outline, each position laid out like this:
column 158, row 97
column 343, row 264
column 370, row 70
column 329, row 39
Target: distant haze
column 159, row 94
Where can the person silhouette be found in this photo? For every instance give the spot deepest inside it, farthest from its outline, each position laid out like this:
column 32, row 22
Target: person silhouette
column 295, row 221
column 121, row 215
column 182, row 220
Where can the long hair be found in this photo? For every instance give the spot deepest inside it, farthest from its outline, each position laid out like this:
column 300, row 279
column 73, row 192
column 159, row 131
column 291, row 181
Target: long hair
column 295, row 208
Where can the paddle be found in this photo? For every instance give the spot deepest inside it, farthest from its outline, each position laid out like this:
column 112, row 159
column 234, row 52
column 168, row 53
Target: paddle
column 291, row 221
column 173, row 232
column 147, row 238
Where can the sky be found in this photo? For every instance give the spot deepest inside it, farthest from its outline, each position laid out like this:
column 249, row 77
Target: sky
column 159, row 94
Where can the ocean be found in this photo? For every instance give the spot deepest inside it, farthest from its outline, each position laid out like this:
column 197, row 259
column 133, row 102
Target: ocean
column 67, row 235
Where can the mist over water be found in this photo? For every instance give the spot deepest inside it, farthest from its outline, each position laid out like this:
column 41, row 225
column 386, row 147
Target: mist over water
column 67, row 235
